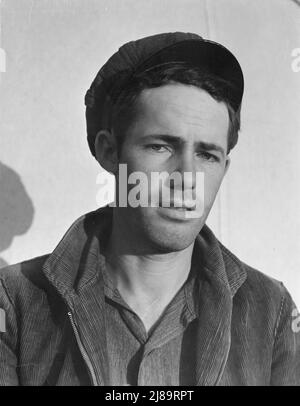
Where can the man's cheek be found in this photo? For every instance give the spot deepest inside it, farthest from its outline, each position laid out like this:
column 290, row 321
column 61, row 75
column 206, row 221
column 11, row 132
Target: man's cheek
column 154, row 192
column 212, row 182
column 211, row 187
column 197, row 197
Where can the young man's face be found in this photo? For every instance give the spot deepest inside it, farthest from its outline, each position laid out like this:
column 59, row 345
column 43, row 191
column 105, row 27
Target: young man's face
column 177, row 128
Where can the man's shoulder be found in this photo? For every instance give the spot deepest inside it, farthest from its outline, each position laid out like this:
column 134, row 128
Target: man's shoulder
column 260, row 287
column 24, row 278
column 29, row 274
column 31, row 266
column 27, row 278
column 264, row 286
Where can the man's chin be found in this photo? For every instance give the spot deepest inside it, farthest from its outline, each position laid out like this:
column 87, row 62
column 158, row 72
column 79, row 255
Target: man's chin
column 154, row 230
column 172, row 246
column 171, row 236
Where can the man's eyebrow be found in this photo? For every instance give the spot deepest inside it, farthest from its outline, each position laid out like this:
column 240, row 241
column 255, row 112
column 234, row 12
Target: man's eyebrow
column 206, row 146
column 210, row 146
column 163, row 137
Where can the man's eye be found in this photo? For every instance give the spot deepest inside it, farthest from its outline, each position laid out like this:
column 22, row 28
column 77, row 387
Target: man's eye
column 207, row 156
column 159, row 147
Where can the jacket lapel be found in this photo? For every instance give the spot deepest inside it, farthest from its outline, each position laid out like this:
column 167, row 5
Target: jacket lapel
column 89, row 317
column 219, row 278
column 74, row 268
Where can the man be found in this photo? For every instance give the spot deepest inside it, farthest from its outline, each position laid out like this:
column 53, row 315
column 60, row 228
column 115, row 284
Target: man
column 145, row 294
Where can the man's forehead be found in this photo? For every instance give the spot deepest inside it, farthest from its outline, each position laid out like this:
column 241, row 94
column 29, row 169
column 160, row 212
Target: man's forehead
column 181, row 104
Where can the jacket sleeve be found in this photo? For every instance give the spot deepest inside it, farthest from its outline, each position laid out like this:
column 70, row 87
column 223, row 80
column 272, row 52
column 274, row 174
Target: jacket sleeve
column 8, row 340
column 286, row 352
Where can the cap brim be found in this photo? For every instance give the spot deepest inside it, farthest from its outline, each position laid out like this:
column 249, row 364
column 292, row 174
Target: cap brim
column 208, row 55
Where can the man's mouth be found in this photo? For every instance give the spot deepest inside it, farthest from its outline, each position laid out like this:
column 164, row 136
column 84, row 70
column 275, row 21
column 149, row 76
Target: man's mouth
column 179, row 206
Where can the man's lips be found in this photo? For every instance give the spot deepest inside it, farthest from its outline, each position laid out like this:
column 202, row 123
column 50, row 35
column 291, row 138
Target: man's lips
column 178, row 205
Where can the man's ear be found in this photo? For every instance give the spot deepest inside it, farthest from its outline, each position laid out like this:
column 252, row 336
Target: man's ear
column 227, row 164
column 107, row 151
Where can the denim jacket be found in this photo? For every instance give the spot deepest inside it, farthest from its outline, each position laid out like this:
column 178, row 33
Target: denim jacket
column 55, row 326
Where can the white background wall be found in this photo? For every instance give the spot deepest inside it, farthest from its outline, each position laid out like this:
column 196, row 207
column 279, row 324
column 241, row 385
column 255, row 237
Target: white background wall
column 54, row 49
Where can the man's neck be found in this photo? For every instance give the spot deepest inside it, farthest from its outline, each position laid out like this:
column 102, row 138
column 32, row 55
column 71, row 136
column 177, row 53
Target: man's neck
column 146, row 282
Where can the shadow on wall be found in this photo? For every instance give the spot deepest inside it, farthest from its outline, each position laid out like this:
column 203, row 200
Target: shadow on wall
column 16, row 208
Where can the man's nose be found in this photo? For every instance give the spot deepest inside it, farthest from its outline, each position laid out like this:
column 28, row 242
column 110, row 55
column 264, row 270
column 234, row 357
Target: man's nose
column 186, row 166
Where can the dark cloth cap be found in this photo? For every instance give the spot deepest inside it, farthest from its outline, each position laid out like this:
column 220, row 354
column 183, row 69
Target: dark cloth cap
column 137, row 56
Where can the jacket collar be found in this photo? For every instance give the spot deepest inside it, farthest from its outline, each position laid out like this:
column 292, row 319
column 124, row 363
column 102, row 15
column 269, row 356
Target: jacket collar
column 74, row 268
column 75, row 261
